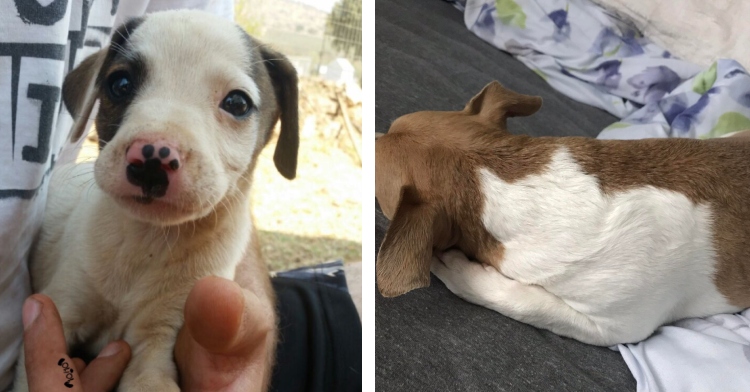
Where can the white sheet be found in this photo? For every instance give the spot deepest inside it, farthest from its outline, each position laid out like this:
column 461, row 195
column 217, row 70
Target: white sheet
column 699, row 31
column 708, row 354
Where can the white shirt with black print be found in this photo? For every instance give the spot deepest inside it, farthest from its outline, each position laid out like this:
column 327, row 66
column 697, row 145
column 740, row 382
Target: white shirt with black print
column 40, row 41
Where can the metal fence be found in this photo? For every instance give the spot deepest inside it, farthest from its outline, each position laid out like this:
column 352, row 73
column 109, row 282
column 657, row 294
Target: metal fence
column 313, row 38
column 343, row 35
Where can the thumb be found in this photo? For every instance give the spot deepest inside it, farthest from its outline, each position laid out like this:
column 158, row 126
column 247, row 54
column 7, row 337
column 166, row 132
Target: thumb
column 227, row 338
column 105, row 370
column 225, row 319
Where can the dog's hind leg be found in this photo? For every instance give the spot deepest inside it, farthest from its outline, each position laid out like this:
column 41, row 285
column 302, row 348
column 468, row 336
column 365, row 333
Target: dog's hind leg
column 486, row 286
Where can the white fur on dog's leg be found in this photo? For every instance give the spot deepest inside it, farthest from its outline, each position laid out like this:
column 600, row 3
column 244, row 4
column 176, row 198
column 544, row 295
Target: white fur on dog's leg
column 152, row 366
column 486, row 286
column 475, row 282
column 150, row 381
column 145, row 375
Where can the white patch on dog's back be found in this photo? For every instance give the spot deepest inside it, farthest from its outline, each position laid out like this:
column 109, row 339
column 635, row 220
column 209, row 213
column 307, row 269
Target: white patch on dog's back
column 630, row 261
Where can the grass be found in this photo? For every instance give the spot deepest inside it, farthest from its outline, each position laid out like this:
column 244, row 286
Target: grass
column 317, row 216
column 285, row 251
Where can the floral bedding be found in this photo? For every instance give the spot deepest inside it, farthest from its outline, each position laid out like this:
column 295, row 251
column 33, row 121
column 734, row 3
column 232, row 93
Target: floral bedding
column 599, row 59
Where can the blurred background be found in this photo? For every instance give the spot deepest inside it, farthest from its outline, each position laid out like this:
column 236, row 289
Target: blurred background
column 316, row 217
column 321, row 37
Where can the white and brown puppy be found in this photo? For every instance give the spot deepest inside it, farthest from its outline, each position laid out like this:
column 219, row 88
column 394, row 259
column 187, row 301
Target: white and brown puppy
column 186, row 103
column 601, row 241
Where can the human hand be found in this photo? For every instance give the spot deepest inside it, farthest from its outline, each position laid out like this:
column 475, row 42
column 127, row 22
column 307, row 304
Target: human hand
column 227, row 339
column 48, row 366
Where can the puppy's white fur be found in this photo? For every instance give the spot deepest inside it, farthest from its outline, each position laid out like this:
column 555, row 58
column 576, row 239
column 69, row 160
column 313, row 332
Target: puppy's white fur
column 117, row 269
column 602, row 269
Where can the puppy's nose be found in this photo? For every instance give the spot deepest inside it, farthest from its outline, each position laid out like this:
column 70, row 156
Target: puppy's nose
column 150, row 165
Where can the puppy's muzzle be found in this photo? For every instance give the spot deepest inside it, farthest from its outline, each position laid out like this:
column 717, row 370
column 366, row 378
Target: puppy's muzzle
column 151, row 165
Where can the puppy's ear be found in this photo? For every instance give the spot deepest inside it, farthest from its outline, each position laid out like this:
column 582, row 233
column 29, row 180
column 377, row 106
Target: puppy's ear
column 496, row 103
column 284, row 79
column 403, row 262
column 79, row 91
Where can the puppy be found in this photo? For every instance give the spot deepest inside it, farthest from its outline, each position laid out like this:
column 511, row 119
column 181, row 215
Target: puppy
column 600, row 241
column 186, row 103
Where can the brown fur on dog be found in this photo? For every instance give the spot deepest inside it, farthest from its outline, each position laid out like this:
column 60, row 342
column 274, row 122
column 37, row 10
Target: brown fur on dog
column 429, row 161
column 432, row 173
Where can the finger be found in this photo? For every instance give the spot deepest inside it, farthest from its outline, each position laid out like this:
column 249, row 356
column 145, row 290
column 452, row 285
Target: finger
column 48, row 367
column 79, row 364
column 105, row 370
column 226, row 338
column 225, row 319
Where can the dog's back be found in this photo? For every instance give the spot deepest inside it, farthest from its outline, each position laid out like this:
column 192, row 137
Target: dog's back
column 607, row 239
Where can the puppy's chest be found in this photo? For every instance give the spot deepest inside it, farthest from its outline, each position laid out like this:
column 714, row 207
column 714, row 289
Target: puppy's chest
column 140, row 271
column 129, row 274
column 559, row 223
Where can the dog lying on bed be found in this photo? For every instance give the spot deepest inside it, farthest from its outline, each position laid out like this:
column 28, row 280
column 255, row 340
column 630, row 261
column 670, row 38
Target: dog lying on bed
column 600, row 241
column 187, row 102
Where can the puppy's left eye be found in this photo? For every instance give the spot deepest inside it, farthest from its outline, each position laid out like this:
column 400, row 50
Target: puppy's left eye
column 120, row 85
column 237, row 103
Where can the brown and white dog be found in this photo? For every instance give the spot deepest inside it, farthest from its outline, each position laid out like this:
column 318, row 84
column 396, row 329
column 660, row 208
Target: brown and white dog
column 601, row 241
column 186, row 103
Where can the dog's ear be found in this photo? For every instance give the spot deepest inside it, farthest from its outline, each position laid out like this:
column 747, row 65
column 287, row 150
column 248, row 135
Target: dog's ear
column 284, row 79
column 79, row 91
column 496, row 103
column 403, row 262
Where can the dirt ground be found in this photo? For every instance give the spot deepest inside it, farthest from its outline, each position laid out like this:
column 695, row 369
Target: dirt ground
column 317, row 216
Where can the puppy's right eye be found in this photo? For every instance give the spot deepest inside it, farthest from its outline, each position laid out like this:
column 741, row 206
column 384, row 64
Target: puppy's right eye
column 120, row 85
column 237, row 103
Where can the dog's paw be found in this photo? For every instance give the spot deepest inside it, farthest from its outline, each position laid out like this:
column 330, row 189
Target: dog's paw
column 149, row 383
column 475, row 282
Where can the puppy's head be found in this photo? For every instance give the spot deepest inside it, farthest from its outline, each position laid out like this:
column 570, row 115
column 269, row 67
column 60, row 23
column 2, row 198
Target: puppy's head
column 418, row 167
column 186, row 102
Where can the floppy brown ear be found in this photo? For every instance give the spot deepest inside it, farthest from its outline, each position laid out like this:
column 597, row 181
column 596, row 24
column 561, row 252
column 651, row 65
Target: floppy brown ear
column 79, row 91
column 496, row 103
column 284, row 79
column 403, row 262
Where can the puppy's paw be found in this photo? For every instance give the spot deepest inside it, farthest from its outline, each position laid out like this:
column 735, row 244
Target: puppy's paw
column 479, row 283
column 149, row 382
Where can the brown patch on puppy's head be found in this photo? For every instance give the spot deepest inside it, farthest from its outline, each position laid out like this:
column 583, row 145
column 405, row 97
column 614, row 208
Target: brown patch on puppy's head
column 82, row 86
column 425, row 183
column 284, row 80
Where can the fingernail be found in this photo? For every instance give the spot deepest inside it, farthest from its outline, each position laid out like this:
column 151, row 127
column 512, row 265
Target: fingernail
column 31, row 310
column 111, row 349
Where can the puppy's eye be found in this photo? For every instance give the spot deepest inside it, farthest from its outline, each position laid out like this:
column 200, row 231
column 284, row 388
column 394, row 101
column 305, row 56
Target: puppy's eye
column 120, row 85
column 237, row 103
